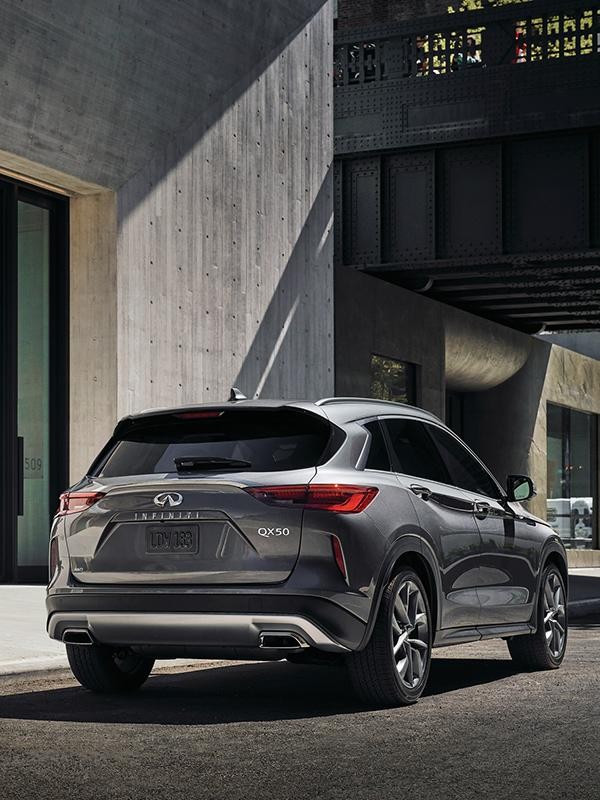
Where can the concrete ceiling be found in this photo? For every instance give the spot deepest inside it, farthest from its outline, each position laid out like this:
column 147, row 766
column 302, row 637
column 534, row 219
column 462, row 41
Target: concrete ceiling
column 95, row 89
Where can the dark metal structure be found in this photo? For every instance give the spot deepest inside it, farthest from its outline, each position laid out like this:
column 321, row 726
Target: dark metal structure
column 468, row 160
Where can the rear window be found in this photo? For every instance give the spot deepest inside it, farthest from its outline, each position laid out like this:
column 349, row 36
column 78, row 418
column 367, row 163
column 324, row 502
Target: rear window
column 259, row 441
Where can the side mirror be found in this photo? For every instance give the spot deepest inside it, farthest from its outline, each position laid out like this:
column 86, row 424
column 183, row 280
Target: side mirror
column 519, row 488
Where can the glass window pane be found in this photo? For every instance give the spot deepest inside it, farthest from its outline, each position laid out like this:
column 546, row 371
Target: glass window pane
column 581, row 478
column 465, row 472
column 392, row 380
column 414, row 450
column 571, row 475
column 266, row 440
column 33, row 377
column 378, row 456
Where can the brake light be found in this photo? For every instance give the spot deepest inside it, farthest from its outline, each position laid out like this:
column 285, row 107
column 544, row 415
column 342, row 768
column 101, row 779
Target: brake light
column 74, row 502
column 324, row 497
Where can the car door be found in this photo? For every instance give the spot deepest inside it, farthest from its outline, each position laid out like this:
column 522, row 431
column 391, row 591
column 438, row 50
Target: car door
column 508, row 544
column 445, row 516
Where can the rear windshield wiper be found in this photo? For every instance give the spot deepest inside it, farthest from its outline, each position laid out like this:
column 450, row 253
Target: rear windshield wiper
column 198, row 464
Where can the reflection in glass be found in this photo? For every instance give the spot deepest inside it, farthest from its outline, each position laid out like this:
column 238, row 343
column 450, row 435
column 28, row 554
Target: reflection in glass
column 571, row 475
column 392, row 380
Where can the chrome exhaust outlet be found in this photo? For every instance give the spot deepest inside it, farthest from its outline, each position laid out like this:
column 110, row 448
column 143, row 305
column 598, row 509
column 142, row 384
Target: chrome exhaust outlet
column 281, row 640
column 77, row 636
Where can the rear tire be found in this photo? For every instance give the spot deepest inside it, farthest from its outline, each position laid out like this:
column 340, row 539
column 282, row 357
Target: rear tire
column 106, row 670
column 393, row 668
column 545, row 649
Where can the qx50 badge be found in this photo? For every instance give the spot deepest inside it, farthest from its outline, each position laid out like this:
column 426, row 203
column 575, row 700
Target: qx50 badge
column 168, row 499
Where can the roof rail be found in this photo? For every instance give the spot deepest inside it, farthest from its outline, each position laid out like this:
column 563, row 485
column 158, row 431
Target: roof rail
column 326, row 401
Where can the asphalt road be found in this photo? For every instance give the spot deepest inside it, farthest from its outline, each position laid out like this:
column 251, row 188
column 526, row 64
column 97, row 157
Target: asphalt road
column 281, row 731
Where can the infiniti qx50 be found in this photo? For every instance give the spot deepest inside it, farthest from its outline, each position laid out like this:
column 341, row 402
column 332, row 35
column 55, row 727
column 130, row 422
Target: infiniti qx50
column 346, row 530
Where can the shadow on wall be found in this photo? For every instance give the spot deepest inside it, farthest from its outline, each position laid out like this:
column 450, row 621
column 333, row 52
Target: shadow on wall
column 283, row 27
column 278, row 356
column 499, row 424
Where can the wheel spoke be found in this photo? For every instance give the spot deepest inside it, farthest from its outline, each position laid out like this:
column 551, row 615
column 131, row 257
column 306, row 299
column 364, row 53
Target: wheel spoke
column 400, row 611
column 418, row 644
column 409, row 669
column 400, row 642
column 401, row 666
column 417, row 664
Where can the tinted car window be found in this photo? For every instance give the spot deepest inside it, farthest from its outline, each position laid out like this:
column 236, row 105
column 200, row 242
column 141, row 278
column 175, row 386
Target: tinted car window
column 269, row 440
column 465, row 472
column 378, row 457
column 414, row 451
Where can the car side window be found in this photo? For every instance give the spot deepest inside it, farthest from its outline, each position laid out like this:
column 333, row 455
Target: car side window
column 414, row 451
column 465, row 472
column 378, row 457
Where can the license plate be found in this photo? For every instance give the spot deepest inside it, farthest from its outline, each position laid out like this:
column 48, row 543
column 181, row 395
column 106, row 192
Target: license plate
column 172, row 540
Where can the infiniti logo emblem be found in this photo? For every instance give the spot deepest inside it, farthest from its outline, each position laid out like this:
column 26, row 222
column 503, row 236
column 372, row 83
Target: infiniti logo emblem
column 168, row 499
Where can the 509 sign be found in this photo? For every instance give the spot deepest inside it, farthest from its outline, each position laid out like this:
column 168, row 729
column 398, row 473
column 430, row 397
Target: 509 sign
column 33, row 467
column 273, row 531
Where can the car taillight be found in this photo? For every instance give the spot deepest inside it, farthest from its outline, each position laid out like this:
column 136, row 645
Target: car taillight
column 73, row 502
column 324, row 497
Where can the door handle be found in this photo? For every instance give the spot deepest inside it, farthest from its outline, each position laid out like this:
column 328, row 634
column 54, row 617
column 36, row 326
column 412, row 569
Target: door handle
column 481, row 509
column 20, row 476
column 421, row 491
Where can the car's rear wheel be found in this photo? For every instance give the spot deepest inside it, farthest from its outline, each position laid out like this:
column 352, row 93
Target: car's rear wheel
column 393, row 668
column 545, row 649
column 104, row 669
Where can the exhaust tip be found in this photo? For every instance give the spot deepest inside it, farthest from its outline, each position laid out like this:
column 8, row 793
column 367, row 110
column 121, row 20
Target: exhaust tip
column 77, row 636
column 281, row 640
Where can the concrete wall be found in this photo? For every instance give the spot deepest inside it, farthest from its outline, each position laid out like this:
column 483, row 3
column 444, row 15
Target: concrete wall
column 210, row 264
column 372, row 316
column 97, row 89
column 225, row 246
column 517, row 407
column 504, row 424
column 93, row 326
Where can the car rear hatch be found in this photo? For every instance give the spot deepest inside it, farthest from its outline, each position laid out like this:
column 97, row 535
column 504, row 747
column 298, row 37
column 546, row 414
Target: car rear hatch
column 170, row 510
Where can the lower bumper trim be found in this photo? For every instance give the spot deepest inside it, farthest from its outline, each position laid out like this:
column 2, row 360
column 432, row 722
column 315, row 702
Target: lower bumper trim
column 128, row 629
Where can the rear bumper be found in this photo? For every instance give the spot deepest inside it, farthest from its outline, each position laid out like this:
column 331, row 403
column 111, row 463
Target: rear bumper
column 166, row 631
column 180, row 622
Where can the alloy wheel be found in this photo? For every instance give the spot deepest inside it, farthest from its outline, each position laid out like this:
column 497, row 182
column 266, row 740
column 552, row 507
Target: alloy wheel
column 554, row 615
column 410, row 634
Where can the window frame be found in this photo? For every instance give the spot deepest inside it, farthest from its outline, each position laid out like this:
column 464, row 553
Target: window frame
column 501, row 492
column 426, row 423
column 366, row 450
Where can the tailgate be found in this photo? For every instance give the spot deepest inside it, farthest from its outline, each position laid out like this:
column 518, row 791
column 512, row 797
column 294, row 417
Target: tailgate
column 205, row 532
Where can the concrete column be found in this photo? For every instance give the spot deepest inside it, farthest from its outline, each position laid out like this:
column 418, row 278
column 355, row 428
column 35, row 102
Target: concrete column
column 93, row 327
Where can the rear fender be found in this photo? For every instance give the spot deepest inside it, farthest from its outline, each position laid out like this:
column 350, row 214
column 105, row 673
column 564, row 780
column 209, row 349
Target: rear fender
column 407, row 544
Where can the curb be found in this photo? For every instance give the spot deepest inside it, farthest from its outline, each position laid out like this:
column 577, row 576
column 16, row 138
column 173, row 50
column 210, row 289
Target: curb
column 582, row 608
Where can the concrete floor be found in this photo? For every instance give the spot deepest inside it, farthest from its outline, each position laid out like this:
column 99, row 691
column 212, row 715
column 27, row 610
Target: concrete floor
column 273, row 730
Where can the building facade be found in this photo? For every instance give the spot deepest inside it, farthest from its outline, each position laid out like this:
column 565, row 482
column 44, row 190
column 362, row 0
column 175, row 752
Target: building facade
column 467, row 209
column 172, row 179
column 166, row 217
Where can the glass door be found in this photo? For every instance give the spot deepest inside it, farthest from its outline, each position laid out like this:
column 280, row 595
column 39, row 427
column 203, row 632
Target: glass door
column 34, row 379
column 572, row 475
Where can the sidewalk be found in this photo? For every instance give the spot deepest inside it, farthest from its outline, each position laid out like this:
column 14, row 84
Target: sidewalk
column 25, row 646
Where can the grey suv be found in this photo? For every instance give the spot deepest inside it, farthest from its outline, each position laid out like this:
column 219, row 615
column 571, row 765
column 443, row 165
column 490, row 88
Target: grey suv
column 343, row 530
